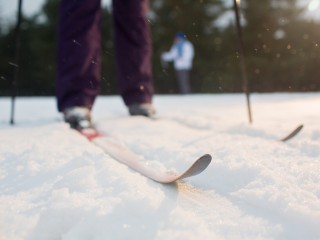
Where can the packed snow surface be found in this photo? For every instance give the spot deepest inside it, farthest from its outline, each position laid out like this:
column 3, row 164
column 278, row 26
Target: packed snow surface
column 55, row 184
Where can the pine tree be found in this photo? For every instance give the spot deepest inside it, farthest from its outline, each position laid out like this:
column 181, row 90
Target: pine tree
column 270, row 30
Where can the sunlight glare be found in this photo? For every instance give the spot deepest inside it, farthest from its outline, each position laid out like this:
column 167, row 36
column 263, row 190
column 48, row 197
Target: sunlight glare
column 313, row 5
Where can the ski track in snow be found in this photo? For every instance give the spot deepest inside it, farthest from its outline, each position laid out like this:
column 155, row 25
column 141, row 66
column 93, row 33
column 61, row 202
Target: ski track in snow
column 54, row 184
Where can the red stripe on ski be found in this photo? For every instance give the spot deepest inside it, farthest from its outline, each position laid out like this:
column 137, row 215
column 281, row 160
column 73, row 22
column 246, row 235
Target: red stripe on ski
column 90, row 133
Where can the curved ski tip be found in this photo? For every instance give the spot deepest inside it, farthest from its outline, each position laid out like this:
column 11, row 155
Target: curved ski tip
column 293, row 133
column 207, row 157
column 203, row 162
column 197, row 167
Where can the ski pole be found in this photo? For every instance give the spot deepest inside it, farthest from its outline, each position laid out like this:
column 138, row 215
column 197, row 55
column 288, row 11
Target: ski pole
column 16, row 61
column 242, row 58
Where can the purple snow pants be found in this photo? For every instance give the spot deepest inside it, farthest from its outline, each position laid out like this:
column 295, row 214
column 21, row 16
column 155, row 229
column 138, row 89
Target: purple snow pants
column 79, row 52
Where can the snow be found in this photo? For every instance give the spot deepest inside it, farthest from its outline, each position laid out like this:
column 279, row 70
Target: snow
column 54, row 184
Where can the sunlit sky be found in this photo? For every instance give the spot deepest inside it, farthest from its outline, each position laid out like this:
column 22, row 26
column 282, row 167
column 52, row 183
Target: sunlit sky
column 8, row 8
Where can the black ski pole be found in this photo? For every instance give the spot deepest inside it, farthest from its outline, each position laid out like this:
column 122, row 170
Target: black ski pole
column 16, row 61
column 242, row 58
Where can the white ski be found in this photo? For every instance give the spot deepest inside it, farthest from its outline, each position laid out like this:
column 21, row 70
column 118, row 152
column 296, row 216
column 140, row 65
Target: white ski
column 133, row 160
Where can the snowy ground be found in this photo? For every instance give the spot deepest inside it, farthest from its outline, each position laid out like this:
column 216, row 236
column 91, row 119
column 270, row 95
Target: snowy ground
column 54, row 184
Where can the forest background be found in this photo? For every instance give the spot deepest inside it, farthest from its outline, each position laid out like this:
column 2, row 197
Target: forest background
column 281, row 46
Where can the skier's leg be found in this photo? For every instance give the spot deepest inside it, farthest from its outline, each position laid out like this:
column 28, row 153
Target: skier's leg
column 78, row 53
column 187, row 81
column 133, row 49
column 183, row 81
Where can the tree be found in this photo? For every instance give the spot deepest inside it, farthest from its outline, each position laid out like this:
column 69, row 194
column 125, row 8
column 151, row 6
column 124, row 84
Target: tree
column 37, row 70
column 275, row 49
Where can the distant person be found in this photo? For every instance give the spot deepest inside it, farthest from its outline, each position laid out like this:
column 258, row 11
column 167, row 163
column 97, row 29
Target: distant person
column 181, row 53
column 79, row 58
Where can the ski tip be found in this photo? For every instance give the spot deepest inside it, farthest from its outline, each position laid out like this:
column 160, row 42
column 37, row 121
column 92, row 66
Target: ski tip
column 206, row 160
column 300, row 127
column 293, row 133
column 198, row 166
